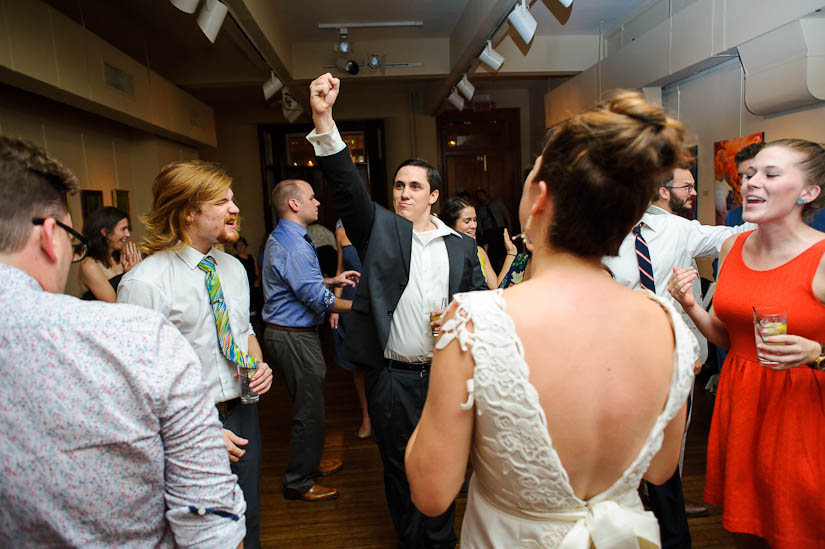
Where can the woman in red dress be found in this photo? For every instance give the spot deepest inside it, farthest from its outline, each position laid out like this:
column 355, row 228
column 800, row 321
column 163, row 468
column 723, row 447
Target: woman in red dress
column 766, row 449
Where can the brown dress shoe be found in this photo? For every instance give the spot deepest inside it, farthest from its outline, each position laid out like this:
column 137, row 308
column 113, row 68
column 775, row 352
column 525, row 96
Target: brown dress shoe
column 329, row 466
column 316, row 493
column 695, row 510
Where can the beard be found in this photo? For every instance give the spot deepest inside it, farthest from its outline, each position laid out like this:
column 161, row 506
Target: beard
column 680, row 206
column 230, row 235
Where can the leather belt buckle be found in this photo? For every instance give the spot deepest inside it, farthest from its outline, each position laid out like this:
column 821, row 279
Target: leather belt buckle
column 409, row 366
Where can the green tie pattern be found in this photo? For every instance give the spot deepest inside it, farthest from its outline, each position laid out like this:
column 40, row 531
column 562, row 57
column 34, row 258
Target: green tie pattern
column 225, row 341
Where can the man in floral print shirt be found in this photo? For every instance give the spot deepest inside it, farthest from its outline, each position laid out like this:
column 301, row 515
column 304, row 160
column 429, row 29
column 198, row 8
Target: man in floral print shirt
column 109, row 436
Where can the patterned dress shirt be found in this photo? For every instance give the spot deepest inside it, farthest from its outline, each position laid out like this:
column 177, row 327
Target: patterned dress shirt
column 110, row 438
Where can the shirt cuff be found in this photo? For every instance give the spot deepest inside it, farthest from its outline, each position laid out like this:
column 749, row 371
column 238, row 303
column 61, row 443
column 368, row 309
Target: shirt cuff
column 326, row 144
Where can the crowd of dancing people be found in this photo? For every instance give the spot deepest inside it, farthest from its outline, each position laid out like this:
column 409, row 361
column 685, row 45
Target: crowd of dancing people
column 561, row 376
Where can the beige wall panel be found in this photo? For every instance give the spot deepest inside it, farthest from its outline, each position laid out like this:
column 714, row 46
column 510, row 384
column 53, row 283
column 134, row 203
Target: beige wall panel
column 571, row 97
column 66, row 145
column 32, row 49
column 747, row 19
column 237, row 140
column 121, row 153
column 100, row 52
column 692, row 39
column 167, row 152
column 100, row 162
column 144, row 167
column 5, row 38
column 645, row 60
column 709, row 120
column 21, row 124
column 516, row 98
column 72, row 64
column 719, row 42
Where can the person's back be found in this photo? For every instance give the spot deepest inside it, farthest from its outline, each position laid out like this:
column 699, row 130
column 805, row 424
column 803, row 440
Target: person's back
column 587, row 342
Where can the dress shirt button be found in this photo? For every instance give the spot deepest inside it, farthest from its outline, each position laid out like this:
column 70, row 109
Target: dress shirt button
column 201, row 511
column 389, row 313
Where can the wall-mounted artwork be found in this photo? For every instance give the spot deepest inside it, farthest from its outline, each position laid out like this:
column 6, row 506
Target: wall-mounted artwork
column 692, row 156
column 89, row 202
column 120, row 200
column 727, row 189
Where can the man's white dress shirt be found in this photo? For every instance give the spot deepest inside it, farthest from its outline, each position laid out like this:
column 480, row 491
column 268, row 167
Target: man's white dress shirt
column 171, row 283
column 673, row 241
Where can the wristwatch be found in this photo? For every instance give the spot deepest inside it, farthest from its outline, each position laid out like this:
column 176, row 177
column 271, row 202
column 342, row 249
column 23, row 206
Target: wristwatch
column 819, row 362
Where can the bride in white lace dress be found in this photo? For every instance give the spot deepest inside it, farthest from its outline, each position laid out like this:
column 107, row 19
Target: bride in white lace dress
column 568, row 389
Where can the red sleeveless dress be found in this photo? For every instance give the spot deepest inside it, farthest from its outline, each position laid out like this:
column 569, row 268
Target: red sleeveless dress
column 766, row 449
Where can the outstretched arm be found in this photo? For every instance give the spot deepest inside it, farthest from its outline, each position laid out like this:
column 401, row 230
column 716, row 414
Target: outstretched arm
column 349, row 194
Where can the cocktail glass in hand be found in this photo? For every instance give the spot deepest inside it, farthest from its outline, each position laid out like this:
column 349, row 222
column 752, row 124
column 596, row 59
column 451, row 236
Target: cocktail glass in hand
column 769, row 321
column 435, row 306
column 245, row 376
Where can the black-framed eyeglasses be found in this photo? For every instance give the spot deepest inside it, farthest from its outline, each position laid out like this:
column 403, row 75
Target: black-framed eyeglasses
column 683, row 187
column 80, row 246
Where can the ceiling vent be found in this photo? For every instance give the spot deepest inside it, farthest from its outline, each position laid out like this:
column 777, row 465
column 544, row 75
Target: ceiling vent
column 785, row 68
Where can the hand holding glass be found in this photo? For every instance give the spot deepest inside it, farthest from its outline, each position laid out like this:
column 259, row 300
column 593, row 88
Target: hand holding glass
column 245, row 376
column 435, row 308
column 769, row 321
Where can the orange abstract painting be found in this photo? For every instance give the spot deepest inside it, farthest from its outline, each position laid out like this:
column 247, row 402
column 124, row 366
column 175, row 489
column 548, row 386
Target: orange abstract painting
column 727, row 190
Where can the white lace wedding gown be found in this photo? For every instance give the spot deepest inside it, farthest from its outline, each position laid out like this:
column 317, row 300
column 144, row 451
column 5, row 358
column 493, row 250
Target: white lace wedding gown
column 520, row 495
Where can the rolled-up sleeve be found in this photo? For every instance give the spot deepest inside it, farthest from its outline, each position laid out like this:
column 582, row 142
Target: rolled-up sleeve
column 205, row 505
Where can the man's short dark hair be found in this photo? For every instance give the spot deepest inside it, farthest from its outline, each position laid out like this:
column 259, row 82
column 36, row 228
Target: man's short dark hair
column 747, row 152
column 433, row 178
column 668, row 178
column 32, row 184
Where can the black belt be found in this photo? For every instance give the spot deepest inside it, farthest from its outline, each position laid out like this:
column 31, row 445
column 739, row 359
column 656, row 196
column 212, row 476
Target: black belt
column 226, row 405
column 408, row 366
column 291, row 329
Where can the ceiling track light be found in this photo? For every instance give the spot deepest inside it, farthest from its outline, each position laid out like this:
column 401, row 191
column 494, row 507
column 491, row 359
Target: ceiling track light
column 290, row 107
column 456, row 100
column 343, row 46
column 186, row 6
column 466, row 89
column 211, row 18
column 272, row 86
column 491, row 57
column 521, row 20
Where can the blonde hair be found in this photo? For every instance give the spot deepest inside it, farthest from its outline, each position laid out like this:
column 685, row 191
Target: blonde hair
column 178, row 190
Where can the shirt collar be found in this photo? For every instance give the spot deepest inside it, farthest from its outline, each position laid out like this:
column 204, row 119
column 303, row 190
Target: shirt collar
column 192, row 257
column 12, row 278
column 653, row 217
column 442, row 228
column 291, row 227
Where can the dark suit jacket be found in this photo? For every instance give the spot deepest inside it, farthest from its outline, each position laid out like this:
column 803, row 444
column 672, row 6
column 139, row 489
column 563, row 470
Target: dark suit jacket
column 384, row 243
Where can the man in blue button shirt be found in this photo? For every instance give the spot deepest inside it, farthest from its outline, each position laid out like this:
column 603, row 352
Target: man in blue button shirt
column 297, row 298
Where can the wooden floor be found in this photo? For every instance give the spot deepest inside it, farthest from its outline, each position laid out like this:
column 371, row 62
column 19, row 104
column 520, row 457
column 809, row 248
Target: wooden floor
column 359, row 517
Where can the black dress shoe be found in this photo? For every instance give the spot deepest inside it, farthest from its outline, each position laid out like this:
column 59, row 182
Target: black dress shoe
column 316, row 493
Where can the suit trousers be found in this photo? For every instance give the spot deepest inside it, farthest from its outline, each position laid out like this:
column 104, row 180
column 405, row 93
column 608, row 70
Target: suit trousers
column 301, row 362
column 396, row 399
column 668, row 504
column 242, row 419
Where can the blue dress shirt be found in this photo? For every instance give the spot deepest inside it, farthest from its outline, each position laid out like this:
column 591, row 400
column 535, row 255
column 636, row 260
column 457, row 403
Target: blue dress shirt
column 294, row 290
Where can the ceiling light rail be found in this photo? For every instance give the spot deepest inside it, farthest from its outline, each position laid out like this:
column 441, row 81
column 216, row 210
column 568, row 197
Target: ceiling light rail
column 371, row 25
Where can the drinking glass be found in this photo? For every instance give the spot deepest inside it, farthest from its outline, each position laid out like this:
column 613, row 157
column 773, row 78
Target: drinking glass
column 245, row 375
column 435, row 306
column 769, row 321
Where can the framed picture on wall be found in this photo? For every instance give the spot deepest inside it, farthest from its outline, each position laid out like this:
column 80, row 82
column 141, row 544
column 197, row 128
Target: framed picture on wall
column 120, row 200
column 89, row 202
column 726, row 186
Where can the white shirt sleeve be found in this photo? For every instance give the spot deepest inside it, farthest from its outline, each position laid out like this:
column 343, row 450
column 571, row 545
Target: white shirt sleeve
column 326, row 144
column 706, row 240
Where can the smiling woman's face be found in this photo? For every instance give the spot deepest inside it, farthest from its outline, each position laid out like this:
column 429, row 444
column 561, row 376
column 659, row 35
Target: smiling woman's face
column 119, row 235
column 467, row 222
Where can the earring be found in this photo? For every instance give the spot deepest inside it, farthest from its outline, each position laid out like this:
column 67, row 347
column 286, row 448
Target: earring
column 800, row 201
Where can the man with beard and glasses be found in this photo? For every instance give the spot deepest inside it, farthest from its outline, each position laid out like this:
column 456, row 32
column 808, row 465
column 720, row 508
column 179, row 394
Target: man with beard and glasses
column 661, row 241
column 204, row 292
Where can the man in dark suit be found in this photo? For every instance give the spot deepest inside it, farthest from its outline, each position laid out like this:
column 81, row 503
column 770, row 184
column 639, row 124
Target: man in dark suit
column 408, row 258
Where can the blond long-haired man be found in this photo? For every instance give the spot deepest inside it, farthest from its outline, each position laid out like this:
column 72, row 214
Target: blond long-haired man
column 193, row 210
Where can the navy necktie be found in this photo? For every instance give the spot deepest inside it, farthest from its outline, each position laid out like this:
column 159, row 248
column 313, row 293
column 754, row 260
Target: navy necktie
column 643, row 257
column 311, row 243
